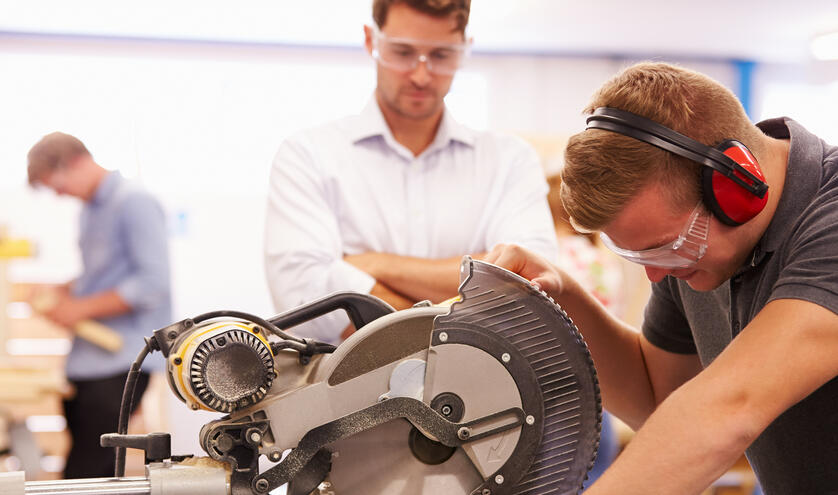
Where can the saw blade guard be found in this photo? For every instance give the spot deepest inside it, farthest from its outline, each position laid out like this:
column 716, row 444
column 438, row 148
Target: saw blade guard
column 503, row 365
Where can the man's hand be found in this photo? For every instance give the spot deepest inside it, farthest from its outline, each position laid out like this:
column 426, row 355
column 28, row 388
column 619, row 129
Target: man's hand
column 543, row 274
column 67, row 310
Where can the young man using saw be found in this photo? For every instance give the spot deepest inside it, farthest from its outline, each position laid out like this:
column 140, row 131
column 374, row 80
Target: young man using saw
column 735, row 225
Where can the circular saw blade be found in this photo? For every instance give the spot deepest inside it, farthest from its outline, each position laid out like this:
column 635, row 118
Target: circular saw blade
column 504, row 316
column 552, row 368
column 379, row 461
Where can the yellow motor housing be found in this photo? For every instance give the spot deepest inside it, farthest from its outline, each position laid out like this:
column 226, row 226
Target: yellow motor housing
column 221, row 366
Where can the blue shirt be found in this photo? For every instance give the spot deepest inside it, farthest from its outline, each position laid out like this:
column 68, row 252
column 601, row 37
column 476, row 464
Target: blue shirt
column 124, row 248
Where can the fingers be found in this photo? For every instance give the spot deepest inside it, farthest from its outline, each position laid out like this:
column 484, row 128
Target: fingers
column 540, row 272
column 514, row 259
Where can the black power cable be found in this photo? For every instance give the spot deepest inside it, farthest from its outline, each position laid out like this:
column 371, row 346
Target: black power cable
column 128, row 402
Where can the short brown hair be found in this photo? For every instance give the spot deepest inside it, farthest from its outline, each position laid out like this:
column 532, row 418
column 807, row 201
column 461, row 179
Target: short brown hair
column 52, row 152
column 604, row 170
column 436, row 8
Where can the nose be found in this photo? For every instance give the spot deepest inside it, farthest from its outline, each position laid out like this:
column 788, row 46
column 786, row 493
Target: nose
column 655, row 274
column 421, row 76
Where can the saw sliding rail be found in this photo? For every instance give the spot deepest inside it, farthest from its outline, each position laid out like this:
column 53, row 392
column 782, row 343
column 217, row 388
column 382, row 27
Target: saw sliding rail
column 161, row 479
column 98, row 486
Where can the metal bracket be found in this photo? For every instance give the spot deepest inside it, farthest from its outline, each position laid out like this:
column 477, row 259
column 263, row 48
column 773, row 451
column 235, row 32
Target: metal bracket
column 415, row 411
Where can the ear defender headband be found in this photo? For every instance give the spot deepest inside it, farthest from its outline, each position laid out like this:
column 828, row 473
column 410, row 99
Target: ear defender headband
column 732, row 184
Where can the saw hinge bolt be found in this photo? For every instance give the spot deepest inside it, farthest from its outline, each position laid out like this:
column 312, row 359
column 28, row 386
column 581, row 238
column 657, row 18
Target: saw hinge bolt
column 530, row 420
column 254, row 436
column 499, row 479
column 486, row 491
column 463, row 433
column 443, row 337
column 505, row 357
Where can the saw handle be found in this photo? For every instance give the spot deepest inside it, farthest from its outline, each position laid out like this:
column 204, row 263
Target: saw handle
column 361, row 308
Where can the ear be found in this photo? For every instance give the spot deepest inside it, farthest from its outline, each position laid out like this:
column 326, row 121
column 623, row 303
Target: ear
column 368, row 38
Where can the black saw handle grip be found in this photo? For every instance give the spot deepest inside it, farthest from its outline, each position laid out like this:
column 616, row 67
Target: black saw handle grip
column 361, row 308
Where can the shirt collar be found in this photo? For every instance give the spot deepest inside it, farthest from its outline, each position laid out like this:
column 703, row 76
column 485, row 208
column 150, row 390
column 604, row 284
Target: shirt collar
column 371, row 123
column 106, row 188
column 803, row 177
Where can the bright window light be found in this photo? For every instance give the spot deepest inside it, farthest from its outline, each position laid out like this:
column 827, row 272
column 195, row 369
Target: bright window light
column 19, row 310
column 803, row 103
column 825, row 47
column 52, row 463
column 47, row 423
column 38, row 347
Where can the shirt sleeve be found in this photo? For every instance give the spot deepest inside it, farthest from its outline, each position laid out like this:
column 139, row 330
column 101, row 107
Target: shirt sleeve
column 810, row 265
column 664, row 323
column 522, row 215
column 303, row 245
column 143, row 229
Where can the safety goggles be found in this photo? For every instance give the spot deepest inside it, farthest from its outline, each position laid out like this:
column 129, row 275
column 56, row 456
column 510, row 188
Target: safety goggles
column 405, row 54
column 683, row 252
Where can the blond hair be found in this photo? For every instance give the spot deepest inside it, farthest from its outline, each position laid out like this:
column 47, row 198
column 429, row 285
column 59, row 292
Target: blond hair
column 604, row 170
column 436, row 8
column 52, row 152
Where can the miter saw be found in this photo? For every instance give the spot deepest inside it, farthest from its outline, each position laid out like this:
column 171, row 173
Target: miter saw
column 494, row 393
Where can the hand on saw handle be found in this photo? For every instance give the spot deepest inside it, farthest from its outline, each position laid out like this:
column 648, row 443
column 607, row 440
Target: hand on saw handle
column 543, row 274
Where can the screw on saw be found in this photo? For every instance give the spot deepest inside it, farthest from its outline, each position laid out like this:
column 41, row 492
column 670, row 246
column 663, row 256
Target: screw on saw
column 254, row 436
column 463, row 433
column 262, row 485
column 446, row 410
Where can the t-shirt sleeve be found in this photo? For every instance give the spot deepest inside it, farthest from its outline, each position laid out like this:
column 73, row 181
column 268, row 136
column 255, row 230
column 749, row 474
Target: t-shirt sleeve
column 810, row 265
column 664, row 324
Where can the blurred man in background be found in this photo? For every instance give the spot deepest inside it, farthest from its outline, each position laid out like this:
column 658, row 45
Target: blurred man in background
column 124, row 285
column 387, row 202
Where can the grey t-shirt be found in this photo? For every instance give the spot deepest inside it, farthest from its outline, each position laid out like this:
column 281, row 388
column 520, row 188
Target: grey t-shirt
column 797, row 258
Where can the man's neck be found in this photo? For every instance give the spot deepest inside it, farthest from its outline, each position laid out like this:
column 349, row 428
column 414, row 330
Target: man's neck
column 414, row 134
column 774, row 165
column 97, row 175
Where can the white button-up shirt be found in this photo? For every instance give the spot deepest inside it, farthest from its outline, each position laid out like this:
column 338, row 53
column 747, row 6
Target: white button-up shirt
column 347, row 187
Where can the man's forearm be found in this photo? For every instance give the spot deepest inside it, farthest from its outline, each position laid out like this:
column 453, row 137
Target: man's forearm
column 415, row 278
column 684, row 446
column 104, row 304
column 615, row 348
column 394, row 299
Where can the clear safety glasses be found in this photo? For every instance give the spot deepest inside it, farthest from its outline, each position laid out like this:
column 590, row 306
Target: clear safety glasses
column 405, row 54
column 683, row 252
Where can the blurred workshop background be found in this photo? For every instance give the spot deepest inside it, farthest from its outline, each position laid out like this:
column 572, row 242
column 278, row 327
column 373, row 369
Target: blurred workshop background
column 192, row 99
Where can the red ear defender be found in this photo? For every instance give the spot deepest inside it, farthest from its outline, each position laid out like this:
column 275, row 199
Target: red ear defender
column 730, row 202
column 732, row 184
